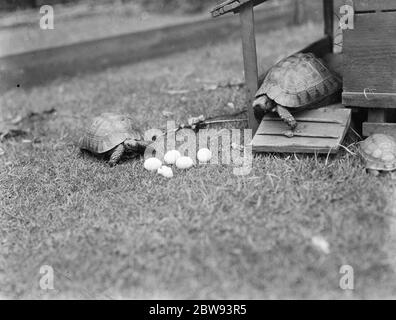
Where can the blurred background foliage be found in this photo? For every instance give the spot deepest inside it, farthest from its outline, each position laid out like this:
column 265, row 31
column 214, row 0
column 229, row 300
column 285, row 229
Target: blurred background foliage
column 186, row 6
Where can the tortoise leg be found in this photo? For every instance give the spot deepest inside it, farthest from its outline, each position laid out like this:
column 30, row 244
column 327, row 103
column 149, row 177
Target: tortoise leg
column 286, row 116
column 373, row 172
column 116, row 154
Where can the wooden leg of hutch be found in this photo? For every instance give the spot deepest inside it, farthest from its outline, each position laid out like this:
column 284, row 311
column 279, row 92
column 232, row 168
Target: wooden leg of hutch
column 328, row 13
column 250, row 60
column 377, row 123
column 376, row 116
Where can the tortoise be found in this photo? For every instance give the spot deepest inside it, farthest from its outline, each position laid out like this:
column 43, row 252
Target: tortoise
column 379, row 153
column 298, row 82
column 115, row 134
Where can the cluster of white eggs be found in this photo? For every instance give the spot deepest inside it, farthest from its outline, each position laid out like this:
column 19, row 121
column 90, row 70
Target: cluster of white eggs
column 174, row 157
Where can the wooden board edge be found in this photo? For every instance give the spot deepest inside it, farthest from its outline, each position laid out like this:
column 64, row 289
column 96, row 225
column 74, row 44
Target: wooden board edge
column 346, row 129
column 342, row 112
column 302, row 150
column 384, row 101
column 370, row 128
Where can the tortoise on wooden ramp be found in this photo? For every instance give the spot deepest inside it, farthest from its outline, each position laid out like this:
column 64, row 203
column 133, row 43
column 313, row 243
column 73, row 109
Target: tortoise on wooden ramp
column 296, row 83
column 113, row 133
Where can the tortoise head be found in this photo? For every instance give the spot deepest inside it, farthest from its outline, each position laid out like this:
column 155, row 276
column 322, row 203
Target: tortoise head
column 261, row 106
column 136, row 145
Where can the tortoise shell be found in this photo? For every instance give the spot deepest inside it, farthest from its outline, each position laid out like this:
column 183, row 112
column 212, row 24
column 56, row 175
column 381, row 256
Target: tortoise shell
column 108, row 131
column 379, row 152
column 299, row 80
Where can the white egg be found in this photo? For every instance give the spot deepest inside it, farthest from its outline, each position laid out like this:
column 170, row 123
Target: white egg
column 165, row 172
column 171, row 156
column 204, row 155
column 184, row 163
column 152, row 164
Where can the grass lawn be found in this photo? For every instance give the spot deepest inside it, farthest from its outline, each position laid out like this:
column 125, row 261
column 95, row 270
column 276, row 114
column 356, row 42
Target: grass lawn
column 125, row 233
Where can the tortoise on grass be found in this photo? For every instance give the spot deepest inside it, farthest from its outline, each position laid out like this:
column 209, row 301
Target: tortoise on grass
column 298, row 82
column 115, row 134
column 379, row 153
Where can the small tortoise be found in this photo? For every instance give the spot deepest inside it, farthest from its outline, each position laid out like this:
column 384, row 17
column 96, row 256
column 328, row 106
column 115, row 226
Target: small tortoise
column 379, row 153
column 113, row 133
column 298, row 82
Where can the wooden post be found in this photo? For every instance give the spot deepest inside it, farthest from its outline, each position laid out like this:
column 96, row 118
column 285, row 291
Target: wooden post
column 376, row 115
column 328, row 14
column 250, row 60
column 376, row 123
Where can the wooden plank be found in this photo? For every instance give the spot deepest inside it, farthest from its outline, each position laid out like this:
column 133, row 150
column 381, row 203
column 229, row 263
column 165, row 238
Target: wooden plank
column 370, row 128
column 304, row 129
column 250, row 60
column 330, row 114
column 232, row 6
column 293, row 145
column 315, row 137
column 369, row 5
column 370, row 57
column 357, row 99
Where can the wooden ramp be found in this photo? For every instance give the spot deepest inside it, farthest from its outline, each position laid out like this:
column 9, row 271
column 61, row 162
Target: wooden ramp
column 318, row 131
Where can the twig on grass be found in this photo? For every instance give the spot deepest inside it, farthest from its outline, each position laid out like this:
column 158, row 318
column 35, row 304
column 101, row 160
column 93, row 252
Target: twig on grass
column 357, row 134
column 347, row 150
